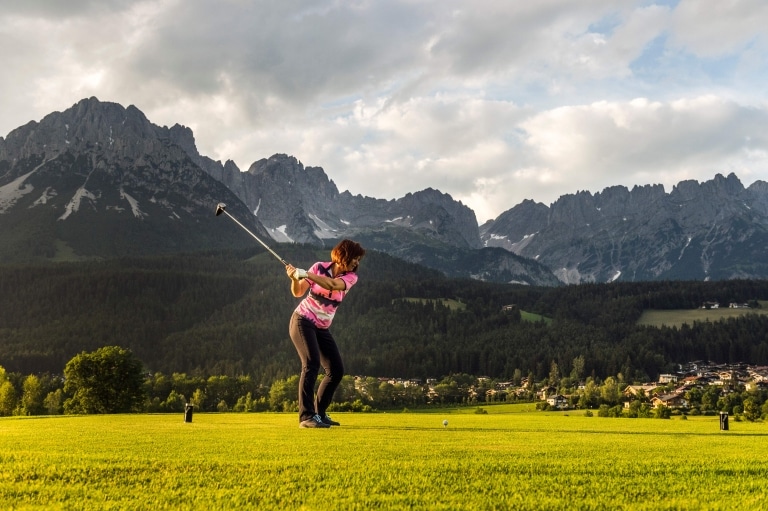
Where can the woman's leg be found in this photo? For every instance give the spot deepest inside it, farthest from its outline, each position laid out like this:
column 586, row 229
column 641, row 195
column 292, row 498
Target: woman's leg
column 304, row 336
column 330, row 358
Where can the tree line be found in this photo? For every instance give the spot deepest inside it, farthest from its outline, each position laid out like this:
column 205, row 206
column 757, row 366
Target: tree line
column 111, row 380
column 225, row 314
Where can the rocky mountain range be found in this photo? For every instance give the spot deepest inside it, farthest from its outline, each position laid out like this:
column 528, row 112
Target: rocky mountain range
column 699, row 231
column 99, row 180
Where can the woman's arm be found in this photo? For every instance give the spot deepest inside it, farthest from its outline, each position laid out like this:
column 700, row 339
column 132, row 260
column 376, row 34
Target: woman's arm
column 327, row 282
column 298, row 286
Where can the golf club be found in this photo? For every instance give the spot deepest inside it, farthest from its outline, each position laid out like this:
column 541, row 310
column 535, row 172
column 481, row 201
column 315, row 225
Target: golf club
column 221, row 208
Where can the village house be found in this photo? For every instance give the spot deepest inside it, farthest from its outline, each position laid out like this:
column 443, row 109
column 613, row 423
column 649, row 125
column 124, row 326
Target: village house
column 695, row 381
column 676, row 400
column 545, row 392
column 557, row 401
column 520, row 391
column 634, row 390
column 667, row 378
column 726, row 379
column 754, row 385
column 758, row 373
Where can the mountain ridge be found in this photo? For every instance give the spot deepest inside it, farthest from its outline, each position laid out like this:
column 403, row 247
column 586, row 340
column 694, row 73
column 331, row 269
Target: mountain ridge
column 100, row 180
column 714, row 229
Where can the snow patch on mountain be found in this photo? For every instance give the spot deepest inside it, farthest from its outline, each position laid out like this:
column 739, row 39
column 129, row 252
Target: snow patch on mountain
column 16, row 189
column 278, row 234
column 323, row 231
column 568, row 275
column 134, row 204
column 47, row 194
column 13, row 191
column 74, row 204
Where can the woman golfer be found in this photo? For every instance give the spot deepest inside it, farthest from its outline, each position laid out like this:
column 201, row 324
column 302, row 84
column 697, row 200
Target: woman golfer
column 328, row 283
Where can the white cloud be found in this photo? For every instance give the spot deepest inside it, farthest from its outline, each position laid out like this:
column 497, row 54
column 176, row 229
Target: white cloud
column 714, row 28
column 493, row 103
column 641, row 141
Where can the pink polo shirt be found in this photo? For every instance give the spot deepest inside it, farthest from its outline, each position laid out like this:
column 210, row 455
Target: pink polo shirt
column 320, row 304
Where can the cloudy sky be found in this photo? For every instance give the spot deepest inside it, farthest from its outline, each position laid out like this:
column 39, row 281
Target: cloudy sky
column 491, row 101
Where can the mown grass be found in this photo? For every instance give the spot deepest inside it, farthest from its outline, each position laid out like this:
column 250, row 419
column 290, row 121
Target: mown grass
column 452, row 304
column 533, row 318
column 507, row 458
column 678, row 317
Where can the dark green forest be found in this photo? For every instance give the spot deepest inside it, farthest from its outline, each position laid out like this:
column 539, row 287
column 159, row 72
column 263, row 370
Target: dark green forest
column 226, row 313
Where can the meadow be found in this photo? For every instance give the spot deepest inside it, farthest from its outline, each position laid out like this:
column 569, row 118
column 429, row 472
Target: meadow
column 510, row 457
column 678, row 317
column 533, row 318
column 452, row 304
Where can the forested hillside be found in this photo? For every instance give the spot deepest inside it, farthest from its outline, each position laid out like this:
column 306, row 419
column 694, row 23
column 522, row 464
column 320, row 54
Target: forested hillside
column 226, row 313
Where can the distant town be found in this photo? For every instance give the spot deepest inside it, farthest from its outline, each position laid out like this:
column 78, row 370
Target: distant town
column 672, row 391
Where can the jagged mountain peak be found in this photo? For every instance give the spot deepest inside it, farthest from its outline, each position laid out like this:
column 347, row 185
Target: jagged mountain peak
column 100, row 180
column 282, row 169
column 758, row 187
column 301, row 204
column 277, row 163
column 647, row 193
column 100, row 174
column 713, row 229
column 428, row 193
column 295, row 203
column 87, row 125
column 184, row 138
column 718, row 185
column 515, row 227
column 431, row 196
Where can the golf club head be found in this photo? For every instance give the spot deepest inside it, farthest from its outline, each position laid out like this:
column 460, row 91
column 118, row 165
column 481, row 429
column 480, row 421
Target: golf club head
column 220, row 208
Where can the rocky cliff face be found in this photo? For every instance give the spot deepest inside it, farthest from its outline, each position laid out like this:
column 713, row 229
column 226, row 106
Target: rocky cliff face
column 301, row 204
column 713, row 230
column 99, row 180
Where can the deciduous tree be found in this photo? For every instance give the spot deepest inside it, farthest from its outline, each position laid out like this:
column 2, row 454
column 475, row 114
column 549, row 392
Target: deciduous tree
column 31, row 402
column 108, row 380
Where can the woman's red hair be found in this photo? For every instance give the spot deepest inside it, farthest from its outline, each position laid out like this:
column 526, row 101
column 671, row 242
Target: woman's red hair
column 346, row 250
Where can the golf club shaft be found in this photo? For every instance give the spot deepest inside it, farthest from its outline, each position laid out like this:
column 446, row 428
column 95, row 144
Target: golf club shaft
column 256, row 238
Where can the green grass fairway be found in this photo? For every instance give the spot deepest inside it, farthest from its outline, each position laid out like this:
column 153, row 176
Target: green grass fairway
column 530, row 316
column 677, row 317
column 505, row 459
column 452, row 304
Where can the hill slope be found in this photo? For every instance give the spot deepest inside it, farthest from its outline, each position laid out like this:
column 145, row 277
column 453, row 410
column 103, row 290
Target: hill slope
column 227, row 313
column 101, row 181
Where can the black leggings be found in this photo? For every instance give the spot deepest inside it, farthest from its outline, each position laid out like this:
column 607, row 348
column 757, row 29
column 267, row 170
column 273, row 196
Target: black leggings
column 315, row 347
